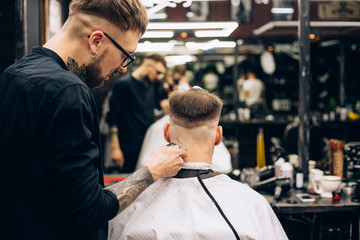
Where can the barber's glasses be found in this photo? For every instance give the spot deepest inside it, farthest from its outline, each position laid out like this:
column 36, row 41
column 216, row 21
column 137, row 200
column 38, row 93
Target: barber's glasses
column 160, row 74
column 129, row 57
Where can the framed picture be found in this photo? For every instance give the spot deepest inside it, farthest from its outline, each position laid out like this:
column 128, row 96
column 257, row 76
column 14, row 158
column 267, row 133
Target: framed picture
column 198, row 11
column 241, row 11
column 282, row 10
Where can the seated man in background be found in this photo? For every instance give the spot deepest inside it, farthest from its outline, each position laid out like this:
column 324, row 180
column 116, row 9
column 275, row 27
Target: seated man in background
column 197, row 203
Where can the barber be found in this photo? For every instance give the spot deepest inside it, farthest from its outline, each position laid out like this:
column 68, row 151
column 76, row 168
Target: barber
column 52, row 178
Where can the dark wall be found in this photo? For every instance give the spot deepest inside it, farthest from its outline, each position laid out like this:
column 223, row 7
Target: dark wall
column 7, row 31
column 21, row 30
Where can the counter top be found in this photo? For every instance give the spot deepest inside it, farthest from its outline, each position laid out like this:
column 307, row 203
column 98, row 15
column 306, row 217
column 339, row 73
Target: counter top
column 291, row 204
column 255, row 122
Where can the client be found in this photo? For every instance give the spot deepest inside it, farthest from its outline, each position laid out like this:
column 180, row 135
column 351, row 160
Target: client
column 197, row 203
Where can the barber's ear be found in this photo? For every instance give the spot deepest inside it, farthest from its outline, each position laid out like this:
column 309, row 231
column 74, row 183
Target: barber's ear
column 95, row 40
column 167, row 132
column 219, row 135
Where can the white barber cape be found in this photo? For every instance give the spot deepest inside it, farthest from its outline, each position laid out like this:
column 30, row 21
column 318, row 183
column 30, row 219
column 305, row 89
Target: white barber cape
column 180, row 209
column 154, row 137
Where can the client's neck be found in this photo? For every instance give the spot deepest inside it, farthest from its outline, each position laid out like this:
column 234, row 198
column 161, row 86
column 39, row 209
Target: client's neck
column 197, row 152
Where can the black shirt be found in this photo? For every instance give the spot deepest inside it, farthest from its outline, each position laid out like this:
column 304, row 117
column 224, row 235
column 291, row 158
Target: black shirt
column 51, row 166
column 131, row 110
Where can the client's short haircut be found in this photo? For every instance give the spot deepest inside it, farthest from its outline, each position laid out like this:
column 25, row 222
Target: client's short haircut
column 194, row 107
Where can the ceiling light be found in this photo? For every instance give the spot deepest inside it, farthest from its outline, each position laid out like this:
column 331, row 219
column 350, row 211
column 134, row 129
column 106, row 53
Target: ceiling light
column 184, row 34
column 214, row 33
column 330, row 43
column 158, row 34
column 209, row 45
column 158, row 16
column 179, row 59
column 155, row 47
column 282, row 10
column 202, row 29
column 190, row 25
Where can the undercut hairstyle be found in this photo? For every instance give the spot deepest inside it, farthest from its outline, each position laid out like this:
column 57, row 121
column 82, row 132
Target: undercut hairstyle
column 124, row 14
column 157, row 58
column 194, row 107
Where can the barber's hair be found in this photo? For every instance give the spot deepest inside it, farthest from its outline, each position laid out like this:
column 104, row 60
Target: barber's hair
column 181, row 69
column 157, row 58
column 125, row 14
column 194, row 107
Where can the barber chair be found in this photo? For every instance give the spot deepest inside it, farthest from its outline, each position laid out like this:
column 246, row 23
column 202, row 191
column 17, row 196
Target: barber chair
column 316, row 144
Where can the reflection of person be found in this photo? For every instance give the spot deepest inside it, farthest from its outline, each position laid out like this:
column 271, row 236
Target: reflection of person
column 253, row 89
column 190, row 212
column 240, row 87
column 49, row 135
column 131, row 109
column 211, row 80
column 178, row 79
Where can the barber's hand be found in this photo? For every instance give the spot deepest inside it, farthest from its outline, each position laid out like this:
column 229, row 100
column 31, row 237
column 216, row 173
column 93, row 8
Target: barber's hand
column 165, row 161
column 117, row 156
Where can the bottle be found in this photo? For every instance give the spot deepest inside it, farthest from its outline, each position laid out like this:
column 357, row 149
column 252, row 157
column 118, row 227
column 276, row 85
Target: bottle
column 338, row 159
column 299, row 179
column 260, row 149
column 331, row 156
column 310, row 188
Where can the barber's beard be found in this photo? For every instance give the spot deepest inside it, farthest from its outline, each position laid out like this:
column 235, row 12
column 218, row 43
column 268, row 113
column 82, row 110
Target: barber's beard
column 93, row 78
column 93, row 73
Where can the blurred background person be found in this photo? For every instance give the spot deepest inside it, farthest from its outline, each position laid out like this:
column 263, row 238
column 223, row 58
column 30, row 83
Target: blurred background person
column 240, row 87
column 178, row 78
column 211, row 79
column 254, row 89
column 254, row 93
column 101, row 97
column 131, row 109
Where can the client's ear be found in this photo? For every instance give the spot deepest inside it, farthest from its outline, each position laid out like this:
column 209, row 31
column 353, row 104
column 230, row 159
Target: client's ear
column 167, row 132
column 219, row 135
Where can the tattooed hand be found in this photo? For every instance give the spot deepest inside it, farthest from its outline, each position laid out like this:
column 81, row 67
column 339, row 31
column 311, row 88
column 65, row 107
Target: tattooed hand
column 166, row 161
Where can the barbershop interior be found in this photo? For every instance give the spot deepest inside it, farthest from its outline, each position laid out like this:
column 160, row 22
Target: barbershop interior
column 292, row 135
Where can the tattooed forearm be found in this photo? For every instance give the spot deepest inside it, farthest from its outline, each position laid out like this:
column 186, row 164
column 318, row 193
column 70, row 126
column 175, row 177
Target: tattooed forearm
column 128, row 190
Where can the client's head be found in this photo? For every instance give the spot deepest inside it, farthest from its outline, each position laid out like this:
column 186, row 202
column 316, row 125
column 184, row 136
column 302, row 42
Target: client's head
column 194, row 119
